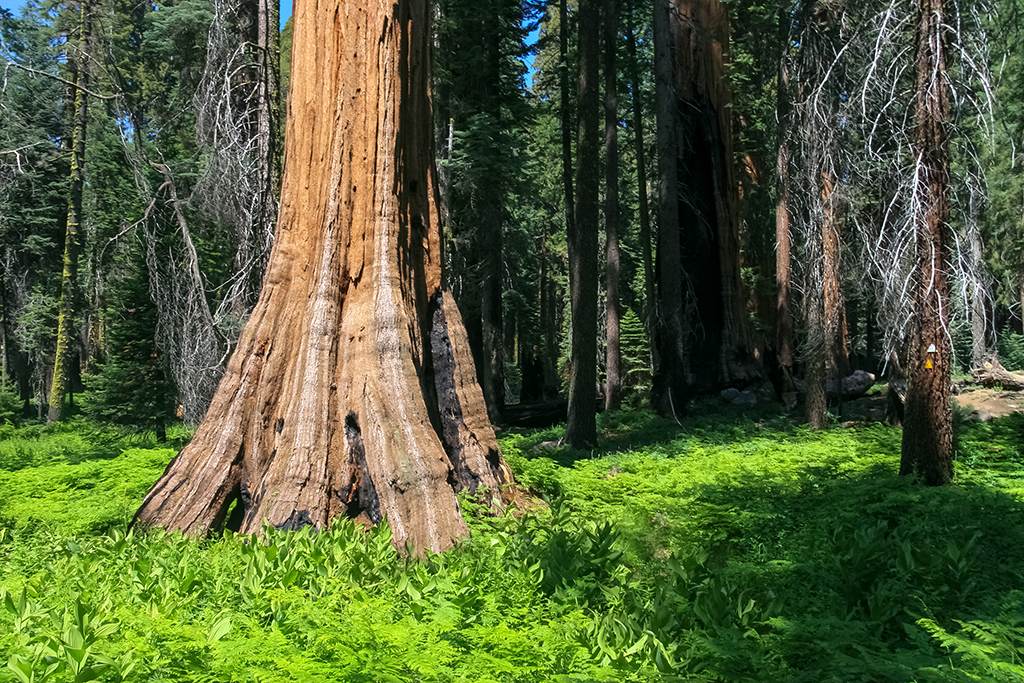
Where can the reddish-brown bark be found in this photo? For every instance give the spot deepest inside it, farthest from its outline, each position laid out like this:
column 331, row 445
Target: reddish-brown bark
column 716, row 335
column 670, row 376
column 928, row 422
column 701, row 33
column 827, row 359
column 352, row 390
column 783, row 236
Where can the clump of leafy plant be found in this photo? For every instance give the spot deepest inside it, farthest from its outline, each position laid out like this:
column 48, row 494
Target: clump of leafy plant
column 723, row 550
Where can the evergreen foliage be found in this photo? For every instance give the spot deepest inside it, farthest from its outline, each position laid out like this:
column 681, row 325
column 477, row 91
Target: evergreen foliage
column 636, row 359
column 725, row 550
column 1004, row 174
column 10, row 406
column 34, row 171
column 129, row 387
column 1011, row 349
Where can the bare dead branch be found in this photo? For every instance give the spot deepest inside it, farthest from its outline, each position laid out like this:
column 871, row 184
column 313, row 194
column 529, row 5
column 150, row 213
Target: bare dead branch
column 58, row 78
column 17, row 155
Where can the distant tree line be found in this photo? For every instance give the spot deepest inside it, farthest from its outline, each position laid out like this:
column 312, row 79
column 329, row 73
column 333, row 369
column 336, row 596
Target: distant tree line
column 670, row 200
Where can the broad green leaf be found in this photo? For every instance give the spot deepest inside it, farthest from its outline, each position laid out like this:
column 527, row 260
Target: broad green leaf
column 21, row 668
column 220, row 629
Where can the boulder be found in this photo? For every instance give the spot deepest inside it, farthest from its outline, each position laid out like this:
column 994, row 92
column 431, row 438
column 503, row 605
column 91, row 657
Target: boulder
column 744, row 399
column 851, row 386
column 730, row 394
column 867, row 409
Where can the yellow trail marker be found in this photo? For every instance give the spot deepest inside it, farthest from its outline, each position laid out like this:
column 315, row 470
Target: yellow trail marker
column 928, row 364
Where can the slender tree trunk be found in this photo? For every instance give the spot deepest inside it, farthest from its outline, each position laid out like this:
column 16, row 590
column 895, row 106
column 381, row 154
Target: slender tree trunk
column 262, row 21
column 670, row 375
column 650, row 298
column 783, row 236
column 566, row 115
column 581, row 424
column 979, row 324
column 268, row 102
column 62, row 362
column 5, row 319
column 817, row 376
column 825, row 304
column 928, row 426
column 3, row 332
column 870, row 334
column 613, row 360
column 549, row 320
column 838, row 358
column 491, row 313
column 352, row 390
column 492, row 251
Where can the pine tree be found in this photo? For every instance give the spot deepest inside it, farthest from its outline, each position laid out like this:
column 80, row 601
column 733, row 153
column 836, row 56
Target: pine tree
column 34, row 175
column 130, row 387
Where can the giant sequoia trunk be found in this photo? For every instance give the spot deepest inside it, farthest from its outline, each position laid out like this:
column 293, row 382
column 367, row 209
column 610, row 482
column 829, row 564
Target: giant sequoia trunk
column 707, row 206
column 352, row 390
column 670, row 374
column 928, row 422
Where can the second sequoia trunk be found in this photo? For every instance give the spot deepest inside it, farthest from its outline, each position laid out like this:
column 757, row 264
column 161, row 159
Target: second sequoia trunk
column 352, row 390
column 711, row 290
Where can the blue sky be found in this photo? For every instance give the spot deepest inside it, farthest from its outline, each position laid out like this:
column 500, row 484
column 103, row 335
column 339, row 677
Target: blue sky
column 286, row 10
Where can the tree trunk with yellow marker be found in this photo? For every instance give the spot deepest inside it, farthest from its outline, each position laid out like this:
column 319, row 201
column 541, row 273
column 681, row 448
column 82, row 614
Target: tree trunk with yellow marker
column 928, row 421
column 352, row 391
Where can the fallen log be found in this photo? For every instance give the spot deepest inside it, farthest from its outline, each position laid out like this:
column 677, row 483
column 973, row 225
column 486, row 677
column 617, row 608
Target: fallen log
column 992, row 374
column 535, row 415
column 540, row 414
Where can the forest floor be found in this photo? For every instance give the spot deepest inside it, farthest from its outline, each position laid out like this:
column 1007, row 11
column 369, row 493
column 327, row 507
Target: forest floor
column 995, row 402
column 737, row 546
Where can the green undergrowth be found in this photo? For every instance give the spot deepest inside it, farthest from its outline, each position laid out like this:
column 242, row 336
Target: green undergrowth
column 75, row 442
column 721, row 549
